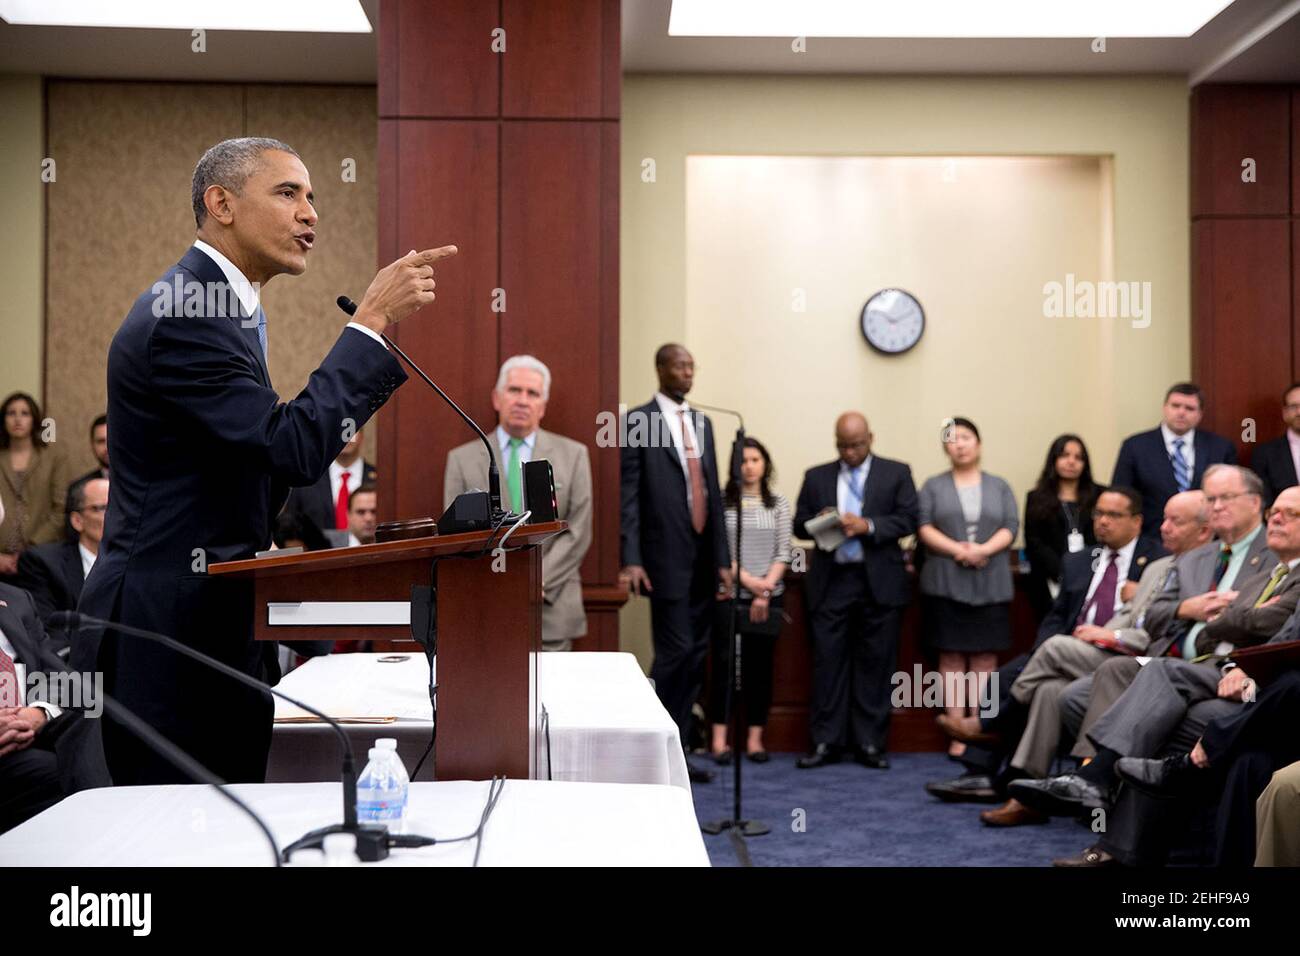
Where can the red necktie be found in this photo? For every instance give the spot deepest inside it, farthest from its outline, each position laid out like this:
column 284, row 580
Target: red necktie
column 341, row 506
column 698, row 505
column 10, row 693
column 1103, row 599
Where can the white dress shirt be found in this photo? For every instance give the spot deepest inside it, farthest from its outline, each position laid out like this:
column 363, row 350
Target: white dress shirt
column 1189, row 447
column 87, row 560
column 671, row 410
column 356, row 476
column 1123, row 559
column 249, row 294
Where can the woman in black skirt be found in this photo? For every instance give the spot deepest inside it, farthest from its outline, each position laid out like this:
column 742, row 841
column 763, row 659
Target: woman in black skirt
column 968, row 520
column 1058, row 518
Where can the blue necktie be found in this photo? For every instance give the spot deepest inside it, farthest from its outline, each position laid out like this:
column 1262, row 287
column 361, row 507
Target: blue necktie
column 261, row 333
column 1182, row 476
column 851, row 550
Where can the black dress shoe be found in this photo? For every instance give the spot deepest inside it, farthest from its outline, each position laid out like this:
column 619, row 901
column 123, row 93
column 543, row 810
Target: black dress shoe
column 1068, row 795
column 821, row 755
column 723, row 758
column 697, row 775
column 872, row 757
column 759, row 756
column 1160, row 778
column 968, row 788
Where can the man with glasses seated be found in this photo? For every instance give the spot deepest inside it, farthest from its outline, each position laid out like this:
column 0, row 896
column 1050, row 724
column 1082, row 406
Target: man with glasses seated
column 53, row 573
column 1163, row 698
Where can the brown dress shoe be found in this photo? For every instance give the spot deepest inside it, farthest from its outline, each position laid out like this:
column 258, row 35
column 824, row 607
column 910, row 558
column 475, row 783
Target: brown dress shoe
column 966, row 729
column 1013, row 813
column 1091, row 857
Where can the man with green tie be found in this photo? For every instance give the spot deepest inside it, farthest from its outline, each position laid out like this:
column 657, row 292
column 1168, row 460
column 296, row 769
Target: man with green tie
column 522, row 390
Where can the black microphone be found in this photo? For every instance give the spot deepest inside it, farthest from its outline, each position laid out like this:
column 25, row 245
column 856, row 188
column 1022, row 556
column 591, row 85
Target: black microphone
column 373, row 841
column 156, row 742
column 738, row 446
column 465, row 517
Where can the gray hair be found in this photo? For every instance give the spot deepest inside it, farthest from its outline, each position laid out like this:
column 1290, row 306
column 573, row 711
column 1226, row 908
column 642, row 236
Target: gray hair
column 229, row 164
column 527, row 362
column 1251, row 481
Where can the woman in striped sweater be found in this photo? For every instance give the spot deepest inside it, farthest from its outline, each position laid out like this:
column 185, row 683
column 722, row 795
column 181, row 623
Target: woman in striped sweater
column 765, row 541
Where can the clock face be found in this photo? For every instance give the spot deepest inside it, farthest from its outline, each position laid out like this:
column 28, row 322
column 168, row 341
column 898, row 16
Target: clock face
column 892, row 321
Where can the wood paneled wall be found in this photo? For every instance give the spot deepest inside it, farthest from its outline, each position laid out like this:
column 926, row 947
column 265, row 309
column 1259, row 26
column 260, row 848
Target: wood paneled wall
column 1245, row 204
column 511, row 153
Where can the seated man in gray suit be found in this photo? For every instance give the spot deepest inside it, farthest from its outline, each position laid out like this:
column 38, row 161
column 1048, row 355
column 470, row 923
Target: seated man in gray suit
column 1066, row 657
column 1204, row 581
column 1165, row 691
column 522, row 390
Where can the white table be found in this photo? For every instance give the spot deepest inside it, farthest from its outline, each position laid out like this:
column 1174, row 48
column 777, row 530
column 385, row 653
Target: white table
column 606, row 724
column 535, row 823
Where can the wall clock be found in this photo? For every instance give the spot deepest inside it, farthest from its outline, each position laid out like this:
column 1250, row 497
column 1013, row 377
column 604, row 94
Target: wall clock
column 892, row 321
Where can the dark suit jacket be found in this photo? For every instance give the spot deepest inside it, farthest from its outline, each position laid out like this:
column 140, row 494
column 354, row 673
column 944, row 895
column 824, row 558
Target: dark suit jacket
column 1143, row 464
column 1076, row 578
column 186, row 393
column 315, row 500
column 51, row 573
column 656, row 528
column 889, row 500
column 23, row 628
column 1273, row 463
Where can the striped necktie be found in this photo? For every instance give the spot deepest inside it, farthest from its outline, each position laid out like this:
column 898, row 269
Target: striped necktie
column 1182, row 474
column 261, row 335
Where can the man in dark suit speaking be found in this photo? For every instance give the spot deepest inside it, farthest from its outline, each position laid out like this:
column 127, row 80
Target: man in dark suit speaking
column 188, row 386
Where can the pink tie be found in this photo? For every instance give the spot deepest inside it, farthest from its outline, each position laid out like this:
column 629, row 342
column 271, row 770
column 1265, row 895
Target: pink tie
column 696, row 470
column 10, row 692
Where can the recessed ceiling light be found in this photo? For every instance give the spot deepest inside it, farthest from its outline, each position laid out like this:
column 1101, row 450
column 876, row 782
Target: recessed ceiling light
column 942, row 18
column 294, row 16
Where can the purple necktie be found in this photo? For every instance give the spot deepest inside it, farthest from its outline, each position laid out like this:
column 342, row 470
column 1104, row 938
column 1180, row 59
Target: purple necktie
column 1103, row 599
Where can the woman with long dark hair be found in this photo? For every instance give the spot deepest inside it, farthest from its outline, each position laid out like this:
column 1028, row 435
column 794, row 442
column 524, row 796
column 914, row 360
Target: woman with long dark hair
column 765, row 541
column 1058, row 517
column 33, row 482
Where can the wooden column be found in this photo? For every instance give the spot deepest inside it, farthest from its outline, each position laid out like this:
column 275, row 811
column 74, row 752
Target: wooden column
column 498, row 131
column 1245, row 178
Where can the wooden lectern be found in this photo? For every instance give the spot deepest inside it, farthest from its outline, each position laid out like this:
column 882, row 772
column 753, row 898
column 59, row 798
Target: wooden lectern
column 489, row 618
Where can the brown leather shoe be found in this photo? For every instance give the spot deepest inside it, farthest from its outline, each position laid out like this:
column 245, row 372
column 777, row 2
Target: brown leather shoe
column 1092, row 857
column 967, row 730
column 1013, row 813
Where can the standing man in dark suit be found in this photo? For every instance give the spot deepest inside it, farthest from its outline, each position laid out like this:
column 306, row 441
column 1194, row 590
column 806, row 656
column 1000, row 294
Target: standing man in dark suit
column 674, row 542
column 204, row 452
column 1277, row 462
column 54, row 573
column 98, row 445
column 326, row 501
column 1171, row 457
column 856, row 594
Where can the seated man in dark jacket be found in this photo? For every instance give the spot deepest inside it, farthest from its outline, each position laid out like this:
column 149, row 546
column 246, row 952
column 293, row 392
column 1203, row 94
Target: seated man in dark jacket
column 53, row 573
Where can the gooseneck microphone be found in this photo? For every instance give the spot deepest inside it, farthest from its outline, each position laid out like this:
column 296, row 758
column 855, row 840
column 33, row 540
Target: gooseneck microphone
column 373, row 841
column 494, row 478
column 156, row 742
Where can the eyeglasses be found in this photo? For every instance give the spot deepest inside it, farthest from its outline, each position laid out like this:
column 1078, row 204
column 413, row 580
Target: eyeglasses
column 1113, row 515
column 95, row 509
column 1211, row 500
column 846, row 445
column 1286, row 514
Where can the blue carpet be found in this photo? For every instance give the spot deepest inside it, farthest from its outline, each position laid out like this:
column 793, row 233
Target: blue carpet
column 860, row 817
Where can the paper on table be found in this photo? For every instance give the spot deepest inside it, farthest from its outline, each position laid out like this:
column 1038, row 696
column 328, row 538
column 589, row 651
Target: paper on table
column 826, row 530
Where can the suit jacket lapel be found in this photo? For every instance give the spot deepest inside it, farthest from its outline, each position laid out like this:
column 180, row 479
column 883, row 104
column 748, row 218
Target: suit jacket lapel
column 872, row 482
column 72, row 570
column 24, row 649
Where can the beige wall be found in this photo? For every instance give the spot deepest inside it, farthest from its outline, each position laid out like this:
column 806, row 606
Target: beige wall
column 22, row 246
column 715, row 254
column 120, row 215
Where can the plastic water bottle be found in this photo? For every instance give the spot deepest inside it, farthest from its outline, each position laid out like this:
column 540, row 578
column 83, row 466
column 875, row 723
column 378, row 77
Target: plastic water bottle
column 381, row 791
column 389, row 745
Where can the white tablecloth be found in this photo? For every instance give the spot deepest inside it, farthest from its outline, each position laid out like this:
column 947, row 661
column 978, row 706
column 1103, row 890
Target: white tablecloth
column 606, row 724
column 535, row 823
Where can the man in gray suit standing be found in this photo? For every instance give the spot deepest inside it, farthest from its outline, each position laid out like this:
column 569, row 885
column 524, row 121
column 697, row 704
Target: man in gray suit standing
column 522, row 390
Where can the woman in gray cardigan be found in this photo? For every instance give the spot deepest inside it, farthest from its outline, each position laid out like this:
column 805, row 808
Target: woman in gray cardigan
column 968, row 520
